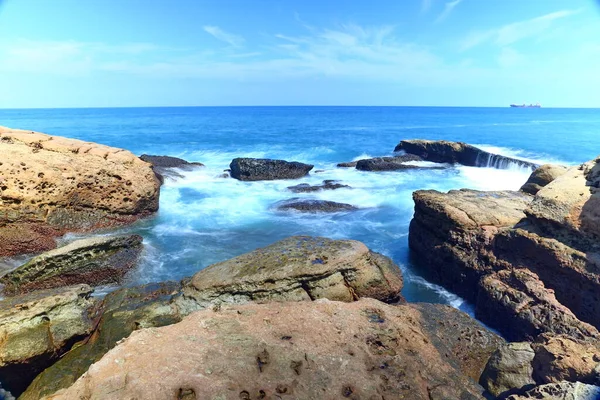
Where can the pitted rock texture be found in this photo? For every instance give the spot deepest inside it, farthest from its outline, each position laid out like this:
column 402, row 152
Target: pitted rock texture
column 50, row 185
column 37, row 328
column 307, row 350
column 256, row 169
column 94, row 261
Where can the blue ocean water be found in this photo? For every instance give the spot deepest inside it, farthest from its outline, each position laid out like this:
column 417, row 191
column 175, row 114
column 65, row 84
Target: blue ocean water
column 205, row 218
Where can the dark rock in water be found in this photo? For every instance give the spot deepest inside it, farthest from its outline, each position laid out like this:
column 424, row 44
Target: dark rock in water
column 314, row 206
column 94, row 261
column 443, row 151
column 163, row 166
column 350, row 164
column 390, row 163
column 326, row 185
column 38, row 328
column 542, row 177
column 255, row 169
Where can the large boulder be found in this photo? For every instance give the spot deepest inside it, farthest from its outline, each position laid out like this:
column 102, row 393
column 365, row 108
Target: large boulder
column 443, row 151
column 95, row 261
column 542, row 177
column 560, row 391
column 509, row 370
column 308, row 350
column 37, row 328
column 50, row 185
column 314, row 206
column 255, row 169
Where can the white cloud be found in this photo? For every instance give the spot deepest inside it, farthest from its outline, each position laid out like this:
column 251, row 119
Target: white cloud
column 229, row 38
column 448, row 8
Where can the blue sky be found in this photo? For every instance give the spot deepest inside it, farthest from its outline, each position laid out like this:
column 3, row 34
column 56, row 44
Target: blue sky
column 115, row 53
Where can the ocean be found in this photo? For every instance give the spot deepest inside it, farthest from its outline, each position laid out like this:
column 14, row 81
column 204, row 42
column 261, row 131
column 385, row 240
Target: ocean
column 205, row 218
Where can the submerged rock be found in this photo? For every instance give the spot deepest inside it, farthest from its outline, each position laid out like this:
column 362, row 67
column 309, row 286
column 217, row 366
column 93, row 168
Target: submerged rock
column 308, row 188
column 254, row 169
column 443, row 151
column 314, row 206
column 317, row 350
column 542, row 177
column 37, row 328
column 94, row 261
column 163, row 166
column 50, row 185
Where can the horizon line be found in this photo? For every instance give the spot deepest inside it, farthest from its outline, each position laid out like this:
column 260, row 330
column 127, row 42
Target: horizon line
column 274, row 106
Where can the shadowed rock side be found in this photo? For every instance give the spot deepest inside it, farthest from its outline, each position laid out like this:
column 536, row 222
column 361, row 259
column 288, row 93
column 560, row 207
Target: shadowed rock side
column 163, row 166
column 542, row 177
column 314, row 206
column 50, row 185
column 37, row 328
column 93, row 261
column 254, row 169
column 326, row 185
column 443, row 151
column 321, row 350
column 294, row 269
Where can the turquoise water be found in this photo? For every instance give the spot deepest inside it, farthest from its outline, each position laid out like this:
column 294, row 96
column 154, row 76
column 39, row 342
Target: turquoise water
column 204, row 218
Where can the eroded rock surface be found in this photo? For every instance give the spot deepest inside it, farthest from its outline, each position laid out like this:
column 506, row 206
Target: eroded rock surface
column 255, row 169
column 50, row 185
column 94, row 261
column 509, row 370
column 561, row 391
column 308, row 350
column 314, row 206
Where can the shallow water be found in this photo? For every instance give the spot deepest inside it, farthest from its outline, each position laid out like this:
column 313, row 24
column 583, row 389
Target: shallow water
column 204, row 219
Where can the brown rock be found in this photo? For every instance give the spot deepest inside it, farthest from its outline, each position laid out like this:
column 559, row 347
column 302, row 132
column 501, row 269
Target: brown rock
column 509, row 370
column 50, row 185
column 308, row 350
column 542, row 177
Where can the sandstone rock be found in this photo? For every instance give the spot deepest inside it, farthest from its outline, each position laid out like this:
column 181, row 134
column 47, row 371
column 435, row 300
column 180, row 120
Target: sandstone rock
column 443, row 151
column 542, row 177
column 319, row 350
column 314, row 206
column 561, row 391
column 326, row 185
column 120, row 313
column 37, row 328
column 294, row 269
column 517, row 303
column 94, row 261
column 391, row 163
column 509, row 370
column 253, row 169
column 50, row 185
column 163, row 166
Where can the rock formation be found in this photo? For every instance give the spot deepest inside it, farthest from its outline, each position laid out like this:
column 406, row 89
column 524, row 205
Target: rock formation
column 163, row 166
column 443, row 151
column 326, row 185
column 94, row 261
column 50, row 185
column 314, row 206
column 541, row 177
column 254, row 169
column 561, row 391
column 391, row 163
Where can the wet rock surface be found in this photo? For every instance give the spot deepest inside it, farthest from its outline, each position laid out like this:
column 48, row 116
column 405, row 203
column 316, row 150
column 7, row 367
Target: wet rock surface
column 318, row 350
column 391, row 163
column 255, row 169
column 95, row 261
column 165, row 166
column 326, row 185
column 52, row 185
column 314, row 206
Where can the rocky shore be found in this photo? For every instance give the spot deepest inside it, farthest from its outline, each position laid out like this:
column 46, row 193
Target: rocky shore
column 305, row 317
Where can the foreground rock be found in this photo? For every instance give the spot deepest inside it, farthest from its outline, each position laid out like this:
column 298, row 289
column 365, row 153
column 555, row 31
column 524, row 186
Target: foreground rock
column 254, row 169
column 326, row 185
column 443, row 151
column 37, row 328
column 50, row 185
column 294, row 269
column 164, row 166
column 314, row 206
column 94, row 261
column 542, row 177
column 561, row 391
column 319, row 350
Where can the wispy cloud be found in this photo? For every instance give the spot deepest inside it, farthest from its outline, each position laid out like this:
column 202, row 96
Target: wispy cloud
column 448, row 8
column 425, row 5
column 229, row 38
column 512, row 33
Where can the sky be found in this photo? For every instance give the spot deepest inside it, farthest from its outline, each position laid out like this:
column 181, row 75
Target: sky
column 122, row 53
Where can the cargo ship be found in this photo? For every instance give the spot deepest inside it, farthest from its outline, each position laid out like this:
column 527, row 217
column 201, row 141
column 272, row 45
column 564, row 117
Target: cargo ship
column 536, row 105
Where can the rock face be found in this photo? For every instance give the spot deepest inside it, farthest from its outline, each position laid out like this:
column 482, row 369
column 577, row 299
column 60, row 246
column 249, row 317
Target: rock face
column 320, row 350
column 350, row 164
column 443, row 151
column 314, row 206
column 561, row 391
column 163, row 165
column 253, row 169
column 509, row 370
column 94, row 261
column 37, row 328
column 50, row 185
column 326, row 185
column 542, row 177
column 390, row 163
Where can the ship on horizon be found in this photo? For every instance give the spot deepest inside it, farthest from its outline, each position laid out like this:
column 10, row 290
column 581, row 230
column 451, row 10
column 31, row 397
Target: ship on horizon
column 536, row 105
